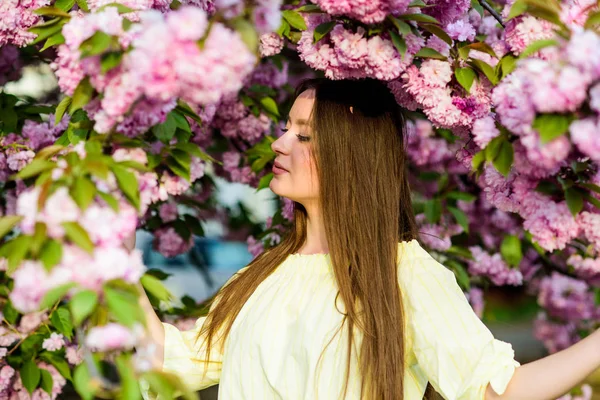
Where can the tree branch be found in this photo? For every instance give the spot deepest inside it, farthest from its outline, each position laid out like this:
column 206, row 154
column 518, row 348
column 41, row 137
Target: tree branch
column 491, row 10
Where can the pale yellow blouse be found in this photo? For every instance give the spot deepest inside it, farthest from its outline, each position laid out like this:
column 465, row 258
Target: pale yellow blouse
column 275, row 342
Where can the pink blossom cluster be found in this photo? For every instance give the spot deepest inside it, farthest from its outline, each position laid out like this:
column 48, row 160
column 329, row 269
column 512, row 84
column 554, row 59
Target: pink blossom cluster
column 89, row 271
column 10, row 64
column 445, row 104
column 437, row 236
column 11, row 386
column 111, row 337
column 494, row 268
column 165, row 63
column 346, row 53
column 170, row 243
column 368, row 12
column 428, row 151
column 16, row 17
column 556, row 335
column 270, row 44
column 566, row 298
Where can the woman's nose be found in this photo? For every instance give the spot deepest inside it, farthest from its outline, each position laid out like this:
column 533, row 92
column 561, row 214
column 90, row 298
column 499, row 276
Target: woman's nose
column 278, row 146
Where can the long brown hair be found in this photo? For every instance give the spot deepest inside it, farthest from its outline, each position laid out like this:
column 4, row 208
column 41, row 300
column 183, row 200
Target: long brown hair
column 366, row 207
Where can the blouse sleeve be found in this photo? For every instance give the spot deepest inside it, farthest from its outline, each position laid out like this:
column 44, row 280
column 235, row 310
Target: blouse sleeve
column 454, row 349
column 184, row 357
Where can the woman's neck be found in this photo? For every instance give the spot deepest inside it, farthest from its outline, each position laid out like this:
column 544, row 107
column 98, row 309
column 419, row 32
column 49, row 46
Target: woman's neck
column 316, row 242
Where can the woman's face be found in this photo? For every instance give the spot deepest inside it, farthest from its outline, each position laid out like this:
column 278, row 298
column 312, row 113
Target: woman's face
column 295, row 175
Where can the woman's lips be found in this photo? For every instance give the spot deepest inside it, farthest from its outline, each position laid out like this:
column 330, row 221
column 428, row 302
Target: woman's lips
column 278, row 169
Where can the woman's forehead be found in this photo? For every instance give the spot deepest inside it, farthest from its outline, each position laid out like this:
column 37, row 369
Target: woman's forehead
column 303, row 106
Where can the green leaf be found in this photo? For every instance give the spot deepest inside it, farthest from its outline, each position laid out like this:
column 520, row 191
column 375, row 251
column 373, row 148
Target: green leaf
column 83, row 192
column 465, row 76
column 165, row 131
column 130, row 388
column 134, row 165
column 83, row 5
column 478, row 160
column 52, row 11
column 128, row 185
column 551, row 126
column 322, row 30
column 574, row 197
column 34, row 168
column 308, row 8
column 110, row 61
column 9, row 119
column 477, row 7
column 417, row 3
column 55, row 294
column 61, row 320
column 294, row 19
column 181, row 122
column 97, row 44
column 155, row 287
column 419, row 18
column 194, row 150
column 427, row 52
column 82, row 95
column 503, row 162
column 592, row 20
column 493, row 148
column 537, row 46
column 487, row 70
column 269, row 105
column 59, row 363
column 437, row 31
column 53, row 40
column 183, row 158
column 47, row 381
column 50, row 254
column 121, row 9
column 462, row 277
column 48, row 29
column 8, row 222
column 284, row 29
column 511, row 250
column 433, row 210
column 61, row 109
column 506, row 66
column 82, row 380
column 178, row 169
column 461, row 196
column 123, row 306
column 483, row 47
column 460, row 217
column 518, row 8
column 399, row 43
column 16, row 250
column 265, row 181
column 248, row 33
column 64, row 5
column 110, row 200
column 30, row 375
column 76, row 234
column 82, row 305
column 403, row 27
column 590, row 186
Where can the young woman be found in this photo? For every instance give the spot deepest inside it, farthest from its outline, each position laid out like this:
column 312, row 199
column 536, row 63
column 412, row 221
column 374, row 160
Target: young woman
column 348, row 305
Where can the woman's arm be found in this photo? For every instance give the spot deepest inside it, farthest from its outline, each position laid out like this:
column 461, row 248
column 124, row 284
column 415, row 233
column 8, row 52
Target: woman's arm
column 554, row 375
column 155, row 332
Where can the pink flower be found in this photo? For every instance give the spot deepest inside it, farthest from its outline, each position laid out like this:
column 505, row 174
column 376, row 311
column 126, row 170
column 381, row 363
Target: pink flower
column 169, row 243
column 110, row 337
column 461, row 30
column 168, row 212
column 554, row 335
column 565, row 297
column 493, row 267
column 366, row 11
column 590, row 227
column 583, row 51
column 30, row 322
column 584, row 134
column 436, row 73
column 484, row 130
column 522, row 31
column 475, row 297
column 74, row 355
column 107, row 228
column 19, row 160
column 59, row 208
column 270, row 44
column 255, row 247
column 54, row 342
column 188, row 23
column 174, row 185
column 29, row 286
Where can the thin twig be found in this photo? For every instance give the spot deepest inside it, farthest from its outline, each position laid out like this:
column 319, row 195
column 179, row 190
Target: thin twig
column 491, row 10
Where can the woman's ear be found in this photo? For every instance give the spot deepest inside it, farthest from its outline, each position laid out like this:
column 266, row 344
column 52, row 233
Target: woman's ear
column 129, row 242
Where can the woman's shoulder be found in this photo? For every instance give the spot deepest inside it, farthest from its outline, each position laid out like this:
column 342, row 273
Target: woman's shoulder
column 416, row 267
